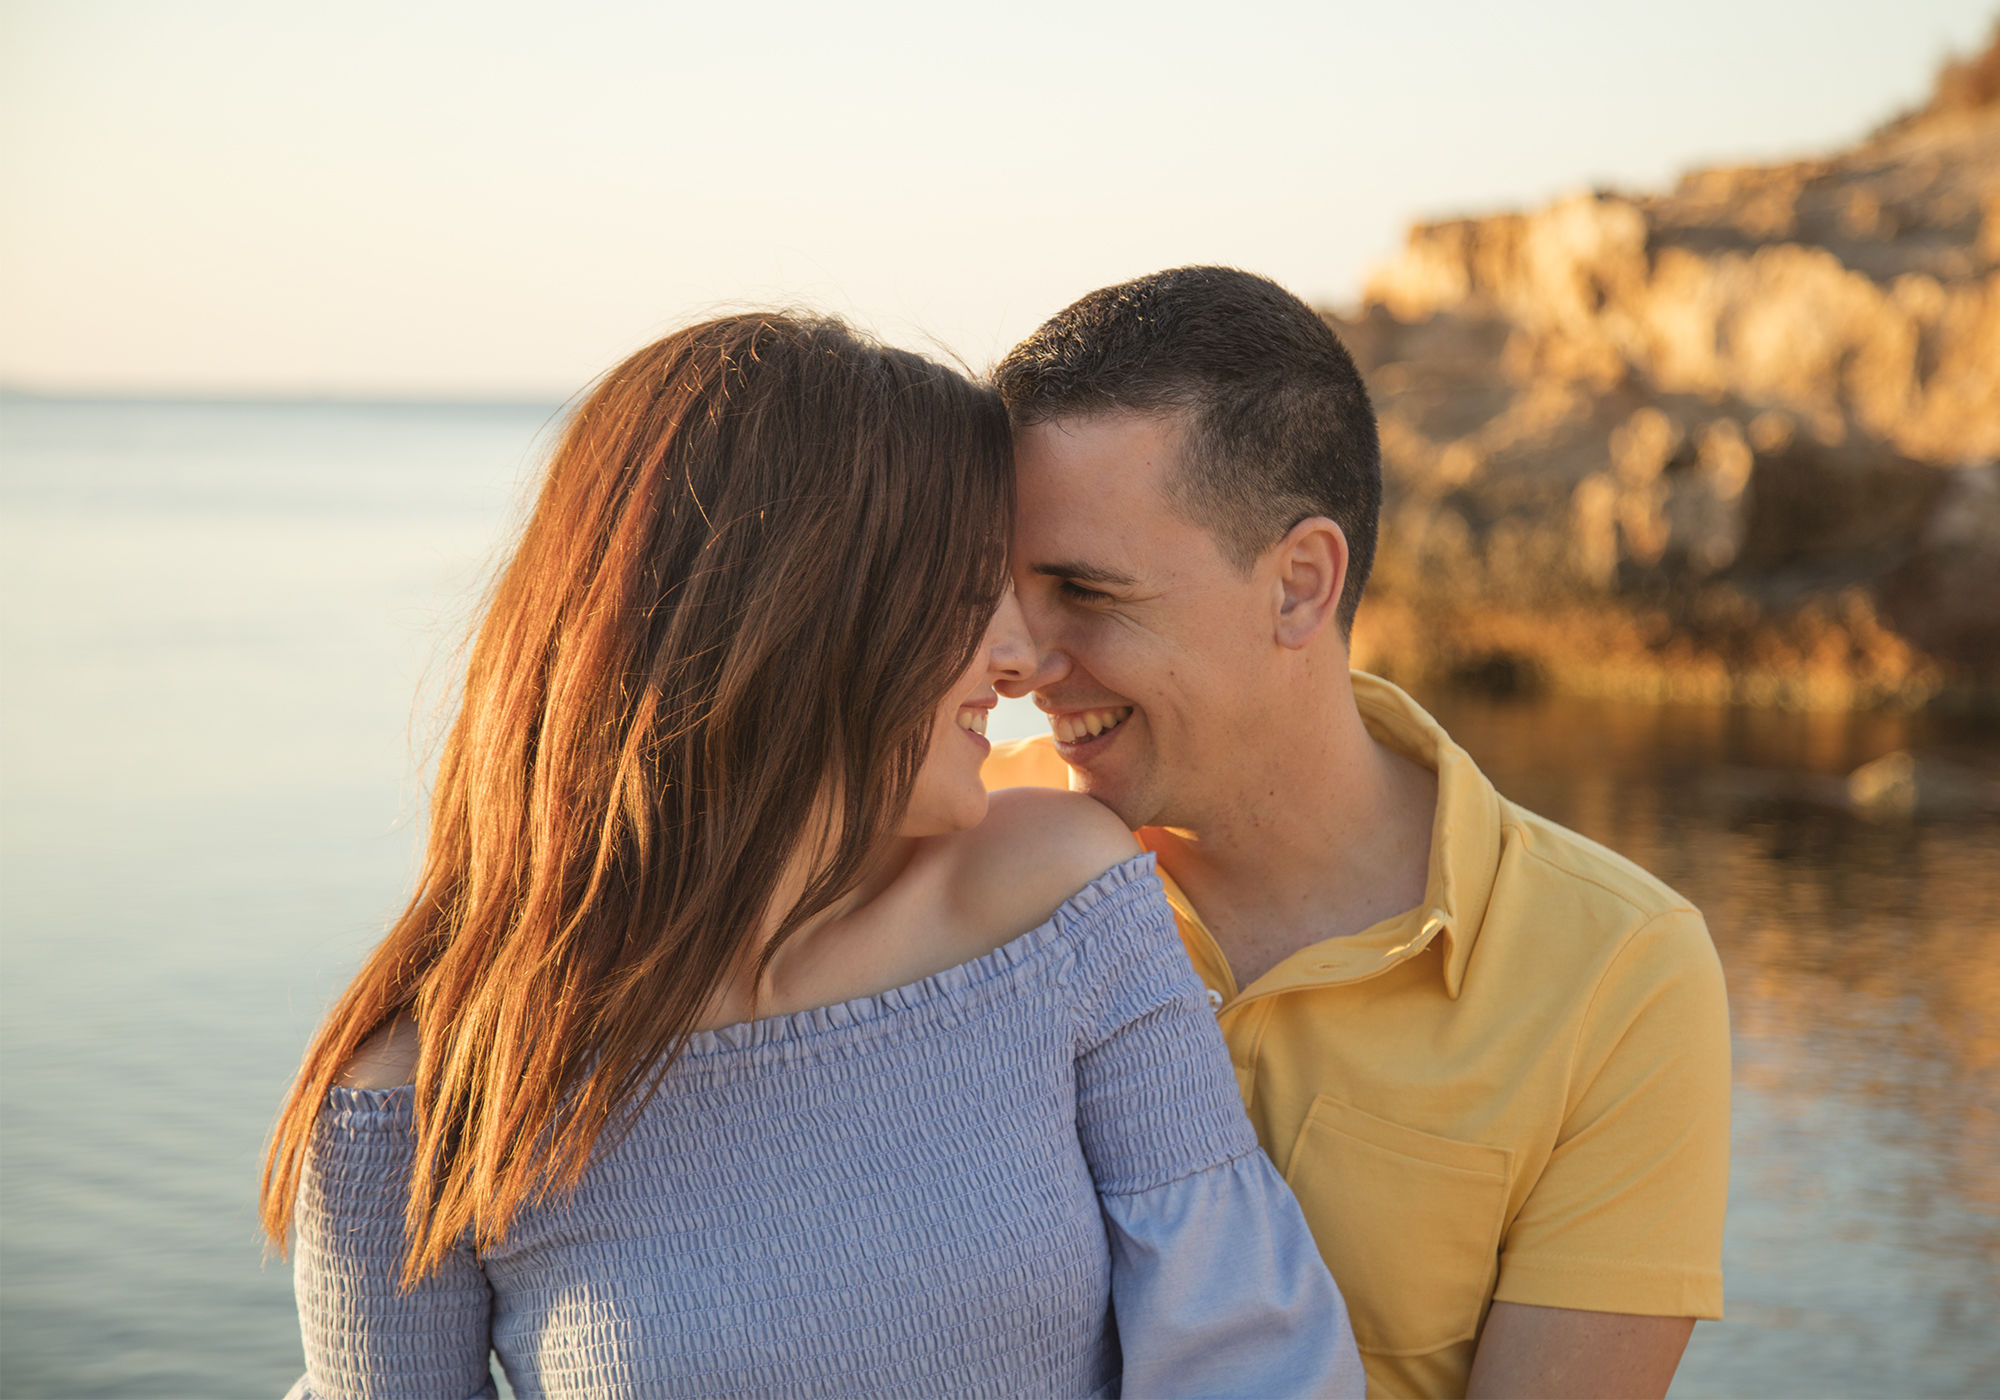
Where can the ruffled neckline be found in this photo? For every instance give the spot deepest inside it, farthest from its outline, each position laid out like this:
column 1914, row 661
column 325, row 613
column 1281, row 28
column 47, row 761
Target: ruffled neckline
column 951, row 983
column 947, row 984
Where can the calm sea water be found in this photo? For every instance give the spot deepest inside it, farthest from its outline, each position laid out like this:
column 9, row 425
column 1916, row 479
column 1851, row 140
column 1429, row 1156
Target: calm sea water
column 214, row 622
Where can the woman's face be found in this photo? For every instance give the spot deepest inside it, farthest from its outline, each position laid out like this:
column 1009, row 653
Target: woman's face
column 949, row 795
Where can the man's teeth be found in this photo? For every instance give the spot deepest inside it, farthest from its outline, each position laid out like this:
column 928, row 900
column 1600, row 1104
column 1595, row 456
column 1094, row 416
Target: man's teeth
column 1087, row 724
column 975, row 720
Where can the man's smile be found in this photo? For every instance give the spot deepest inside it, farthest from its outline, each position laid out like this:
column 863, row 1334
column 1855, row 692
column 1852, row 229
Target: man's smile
column 1079, row 726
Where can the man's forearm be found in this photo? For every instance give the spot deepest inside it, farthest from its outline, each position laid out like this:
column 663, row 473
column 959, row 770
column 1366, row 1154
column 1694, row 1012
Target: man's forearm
column 1557, row 1353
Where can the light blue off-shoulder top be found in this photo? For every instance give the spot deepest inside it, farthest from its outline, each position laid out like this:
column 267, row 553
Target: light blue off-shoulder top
column 1028, row 1175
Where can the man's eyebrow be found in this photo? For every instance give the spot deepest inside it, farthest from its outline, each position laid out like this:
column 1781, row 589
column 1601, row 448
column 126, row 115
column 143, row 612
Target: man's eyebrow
column 1083, row 573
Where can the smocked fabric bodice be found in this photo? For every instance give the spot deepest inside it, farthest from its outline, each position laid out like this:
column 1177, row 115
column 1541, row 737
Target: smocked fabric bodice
column 939, row 1189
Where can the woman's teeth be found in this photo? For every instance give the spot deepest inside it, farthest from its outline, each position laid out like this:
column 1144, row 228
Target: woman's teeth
column 975, row 720
column 1088, row 724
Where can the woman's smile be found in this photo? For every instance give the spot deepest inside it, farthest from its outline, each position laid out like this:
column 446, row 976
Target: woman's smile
column 972, row 719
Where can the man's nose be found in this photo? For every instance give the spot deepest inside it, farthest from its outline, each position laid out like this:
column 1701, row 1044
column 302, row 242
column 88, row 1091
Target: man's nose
column 1028, row 666
column 1048, row 668
column 1014, row 660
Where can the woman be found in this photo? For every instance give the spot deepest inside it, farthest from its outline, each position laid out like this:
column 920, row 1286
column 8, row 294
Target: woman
column 724, row 1048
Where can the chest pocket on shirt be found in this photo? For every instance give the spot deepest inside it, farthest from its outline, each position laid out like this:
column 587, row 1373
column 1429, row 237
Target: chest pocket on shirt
column 1408, row 1222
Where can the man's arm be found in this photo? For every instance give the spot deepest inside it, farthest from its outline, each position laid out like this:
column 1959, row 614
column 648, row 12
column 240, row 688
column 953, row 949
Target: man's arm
column 1557, row 1353
column 1616, row 1250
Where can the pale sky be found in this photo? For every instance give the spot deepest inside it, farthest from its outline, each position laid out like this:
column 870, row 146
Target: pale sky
column 494, row 199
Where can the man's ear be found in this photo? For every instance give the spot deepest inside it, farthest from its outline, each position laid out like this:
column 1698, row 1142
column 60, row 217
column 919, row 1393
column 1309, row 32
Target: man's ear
column 1310, row 571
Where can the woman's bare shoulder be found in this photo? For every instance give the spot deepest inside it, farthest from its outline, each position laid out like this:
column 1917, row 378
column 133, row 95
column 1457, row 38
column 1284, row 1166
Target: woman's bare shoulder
column 1036, row 848
column 386, row 1060
column 1045, row 822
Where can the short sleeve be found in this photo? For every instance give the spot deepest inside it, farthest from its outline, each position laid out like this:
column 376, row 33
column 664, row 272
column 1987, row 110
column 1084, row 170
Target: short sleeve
column 1217, row 1287
column 363, row 1335
column 1627, row 1214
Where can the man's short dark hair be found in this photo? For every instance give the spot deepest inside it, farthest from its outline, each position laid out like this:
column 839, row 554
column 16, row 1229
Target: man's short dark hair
column 1278, row 426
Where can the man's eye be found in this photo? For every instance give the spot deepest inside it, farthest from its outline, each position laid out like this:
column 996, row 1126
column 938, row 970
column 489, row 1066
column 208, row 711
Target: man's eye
column 1077, row 593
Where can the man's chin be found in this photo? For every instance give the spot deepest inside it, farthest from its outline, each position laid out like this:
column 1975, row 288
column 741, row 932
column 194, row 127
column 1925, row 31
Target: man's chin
column 1101, row 766
column 1121, row 798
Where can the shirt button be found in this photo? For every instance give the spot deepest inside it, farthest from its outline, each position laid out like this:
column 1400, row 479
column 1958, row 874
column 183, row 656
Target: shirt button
column 1214, row 999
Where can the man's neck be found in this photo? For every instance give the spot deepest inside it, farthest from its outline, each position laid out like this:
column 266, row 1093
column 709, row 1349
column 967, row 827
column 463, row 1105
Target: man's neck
column 1321, row 836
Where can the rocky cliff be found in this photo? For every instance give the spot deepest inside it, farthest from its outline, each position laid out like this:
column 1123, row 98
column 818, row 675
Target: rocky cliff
column 1736, row 442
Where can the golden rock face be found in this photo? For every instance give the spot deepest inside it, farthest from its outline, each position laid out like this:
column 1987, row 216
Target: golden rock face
column 1740, row 441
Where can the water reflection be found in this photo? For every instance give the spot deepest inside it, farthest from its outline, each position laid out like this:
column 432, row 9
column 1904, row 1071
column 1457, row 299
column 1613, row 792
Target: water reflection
column 1863, row 960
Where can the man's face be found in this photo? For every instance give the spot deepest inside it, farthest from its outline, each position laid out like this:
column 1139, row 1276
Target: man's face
column 1156, row 652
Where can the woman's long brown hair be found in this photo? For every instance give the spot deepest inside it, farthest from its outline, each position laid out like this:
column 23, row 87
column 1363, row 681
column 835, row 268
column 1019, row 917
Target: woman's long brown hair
column 764, row 551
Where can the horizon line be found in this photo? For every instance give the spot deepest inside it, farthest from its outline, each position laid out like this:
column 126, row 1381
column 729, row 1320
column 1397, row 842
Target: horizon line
column 283, row 398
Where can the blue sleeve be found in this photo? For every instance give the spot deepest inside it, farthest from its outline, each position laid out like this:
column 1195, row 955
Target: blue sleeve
column 363, row 1335
column 1216, row 1284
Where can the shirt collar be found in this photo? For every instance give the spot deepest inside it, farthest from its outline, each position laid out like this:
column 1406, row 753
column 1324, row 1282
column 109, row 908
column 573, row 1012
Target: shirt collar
column 1464, row 858
column 1465, row 833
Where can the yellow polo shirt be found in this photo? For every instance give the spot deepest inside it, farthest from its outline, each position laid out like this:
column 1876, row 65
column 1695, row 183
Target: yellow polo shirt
column 1518, row 1090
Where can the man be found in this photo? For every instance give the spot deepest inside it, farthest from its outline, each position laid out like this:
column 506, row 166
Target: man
column 1491, row 1057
